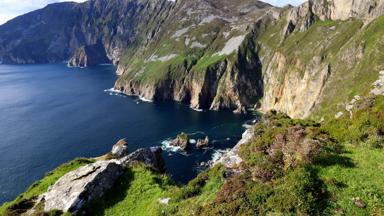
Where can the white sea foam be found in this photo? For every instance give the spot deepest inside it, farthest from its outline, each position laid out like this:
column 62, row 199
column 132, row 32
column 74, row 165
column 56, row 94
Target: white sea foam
column 166, row 146
column 145, row 99
column 218, row 154
column 197, row 110
column 246, row 126
column 113, row 90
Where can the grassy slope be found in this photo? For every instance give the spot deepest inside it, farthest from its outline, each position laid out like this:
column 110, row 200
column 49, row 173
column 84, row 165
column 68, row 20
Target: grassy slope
column 136, row 193
column 196, row 59
column 300, row 185
column 362, row 176
column 42, row 185
column 139, row 190
column 364, row 179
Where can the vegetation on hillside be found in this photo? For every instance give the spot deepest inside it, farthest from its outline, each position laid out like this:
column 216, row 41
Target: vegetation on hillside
column 25, row 200
column 291, row 167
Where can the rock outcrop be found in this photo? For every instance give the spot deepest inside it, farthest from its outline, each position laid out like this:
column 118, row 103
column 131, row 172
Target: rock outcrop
column 202, row 143
column 120, row 149
column 78, row 187
column 89, row 56
column 75, row 189
column 181, row 141
column 151, row 157
column 232, row 159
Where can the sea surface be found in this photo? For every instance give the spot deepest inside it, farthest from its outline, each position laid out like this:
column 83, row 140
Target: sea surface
column 51, row 114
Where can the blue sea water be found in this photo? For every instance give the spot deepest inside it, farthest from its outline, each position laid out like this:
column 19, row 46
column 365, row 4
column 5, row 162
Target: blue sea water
column 51, row 114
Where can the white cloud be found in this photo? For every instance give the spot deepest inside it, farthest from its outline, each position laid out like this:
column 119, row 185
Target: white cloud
column 10, row 9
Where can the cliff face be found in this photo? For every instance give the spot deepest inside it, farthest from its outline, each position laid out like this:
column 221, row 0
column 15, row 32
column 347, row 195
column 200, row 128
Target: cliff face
column 54, row 33
column 319, row 56
column 89, row 56
column 216, row 54
column 207, row 58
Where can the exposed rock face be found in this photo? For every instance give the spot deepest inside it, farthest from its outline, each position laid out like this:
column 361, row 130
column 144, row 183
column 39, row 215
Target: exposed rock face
column 345, row 9
column 181, row 141
column 151, row 157
column 211, row 54
column 201, row 143
column 54, row 33
column 72, row 191
column 378, row 85
column 89, row 56
column 232, row 159
column 120, row 149
column 287, row 91
column 78, row 187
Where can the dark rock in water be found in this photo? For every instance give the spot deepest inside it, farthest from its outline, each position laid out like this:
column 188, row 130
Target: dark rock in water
column 181, row 141
column 151, row 157
column 89, row 56
column 120, row 149
column 76, row 188
column 201, row 143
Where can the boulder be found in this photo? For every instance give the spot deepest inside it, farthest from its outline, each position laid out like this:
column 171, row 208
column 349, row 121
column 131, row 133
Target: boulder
column 151, row 157
column 358, row 202
column 201, row 143
column 181, row 141
column 76, row 188
column 120, row 149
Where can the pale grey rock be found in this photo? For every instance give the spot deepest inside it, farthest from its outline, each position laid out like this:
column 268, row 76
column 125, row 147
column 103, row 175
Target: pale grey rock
column 338, row 115
column 232, row 159
column 164, row 201
column 120, row 149
column 378, row 85
column 76, row 188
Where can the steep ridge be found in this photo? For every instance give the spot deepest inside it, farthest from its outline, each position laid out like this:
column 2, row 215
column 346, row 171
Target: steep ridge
column 206, row 59
column 321, row 55
column 214, row 54
column 118, row 24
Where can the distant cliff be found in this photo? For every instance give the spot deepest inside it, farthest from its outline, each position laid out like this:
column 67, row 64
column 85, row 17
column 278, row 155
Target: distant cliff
column 88, row 56
column 215, row 54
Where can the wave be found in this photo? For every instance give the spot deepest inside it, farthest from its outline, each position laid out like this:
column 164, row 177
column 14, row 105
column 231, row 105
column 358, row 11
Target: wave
column 145, row 99
column 197, row 110
column 217, row 154
column 166, row 146
column 113, row 90
column 118, row 92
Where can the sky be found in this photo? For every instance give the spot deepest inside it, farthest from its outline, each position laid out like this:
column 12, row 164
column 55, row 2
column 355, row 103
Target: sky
column 9, row 9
